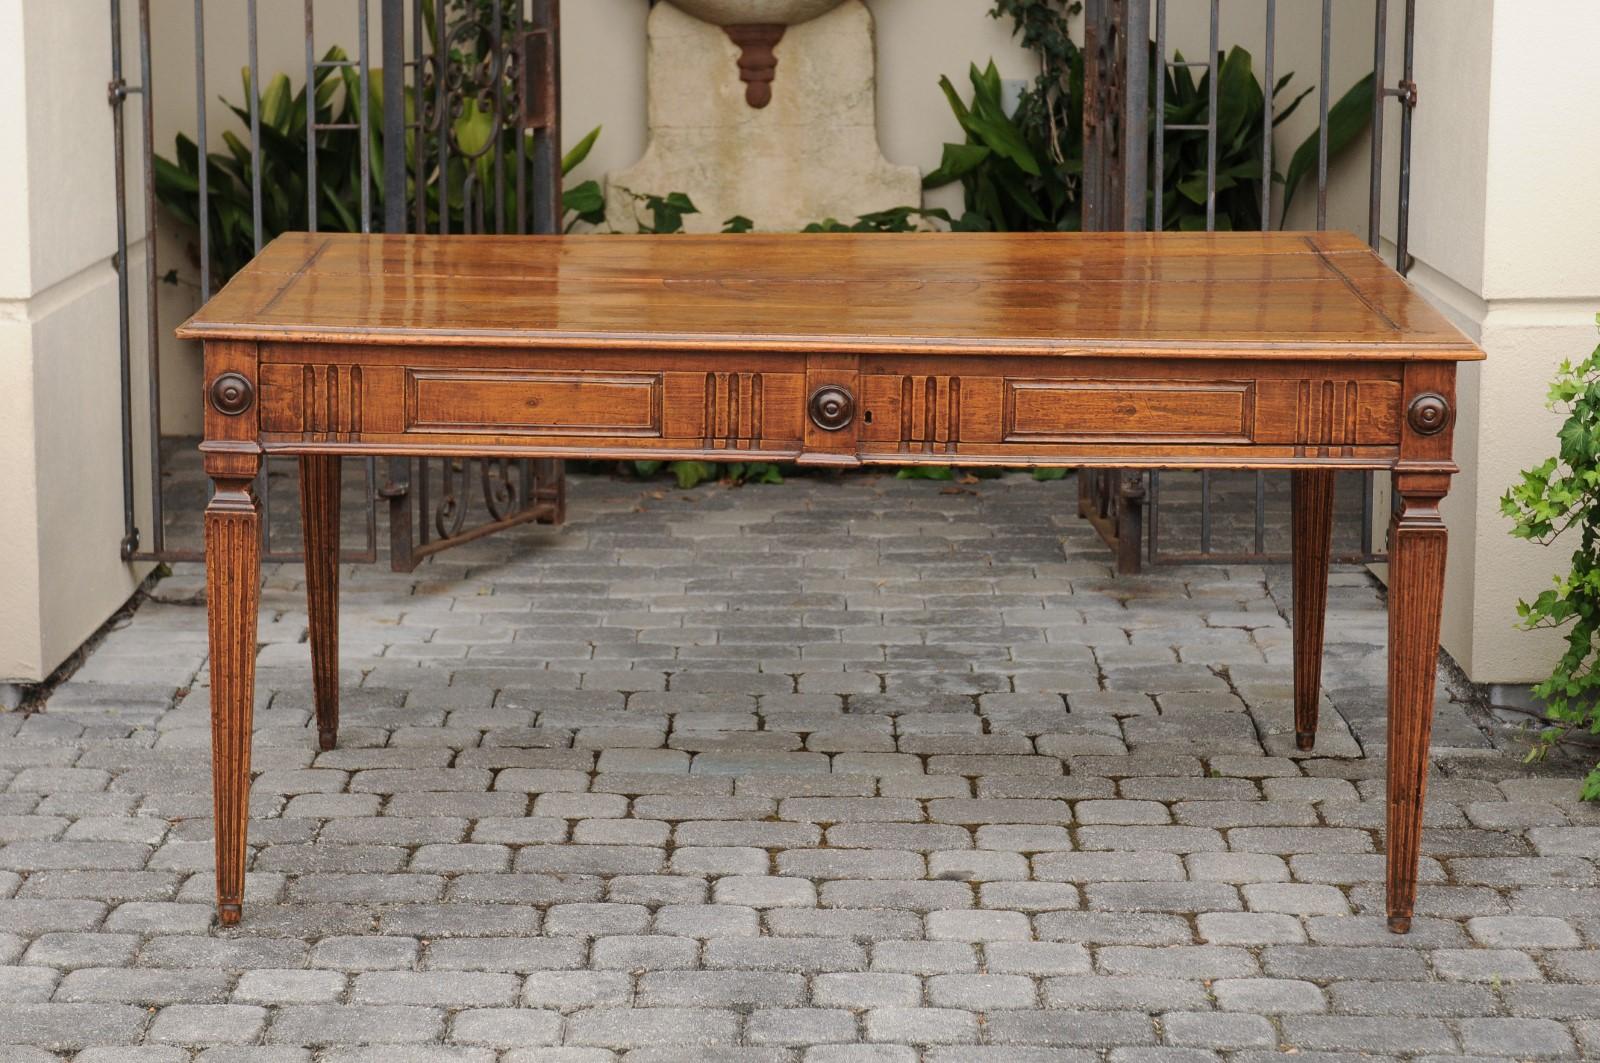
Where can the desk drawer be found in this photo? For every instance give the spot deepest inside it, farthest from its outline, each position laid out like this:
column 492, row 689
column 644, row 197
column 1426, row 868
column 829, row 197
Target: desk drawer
column 560, row 400
column 538, row 402
column 1083, row 411
column 1014, row 410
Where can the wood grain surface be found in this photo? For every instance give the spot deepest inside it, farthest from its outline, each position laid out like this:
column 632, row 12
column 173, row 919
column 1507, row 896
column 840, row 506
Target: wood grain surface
column 1236, row 294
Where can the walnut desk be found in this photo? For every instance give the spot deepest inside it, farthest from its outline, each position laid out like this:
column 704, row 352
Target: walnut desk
column 1297, row 351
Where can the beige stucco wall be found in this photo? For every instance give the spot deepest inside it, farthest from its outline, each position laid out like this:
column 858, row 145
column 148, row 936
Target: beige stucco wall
column 60, row 399
column 1506, row 230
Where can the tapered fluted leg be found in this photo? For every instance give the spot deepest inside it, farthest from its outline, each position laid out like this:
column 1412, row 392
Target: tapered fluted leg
column 233, row 594
column 319, row 516
column 1417, row 543
column 1312, row 501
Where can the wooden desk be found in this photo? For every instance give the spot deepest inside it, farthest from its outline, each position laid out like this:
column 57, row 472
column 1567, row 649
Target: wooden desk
column 1297, row 351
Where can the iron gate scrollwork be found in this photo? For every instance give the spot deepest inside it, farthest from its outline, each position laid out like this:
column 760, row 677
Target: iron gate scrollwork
column 509, row 59
column 472, row 158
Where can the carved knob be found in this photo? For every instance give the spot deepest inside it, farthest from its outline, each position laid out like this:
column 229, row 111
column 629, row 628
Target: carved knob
column 1428, row 413
column 232, row 393
column 832, row 407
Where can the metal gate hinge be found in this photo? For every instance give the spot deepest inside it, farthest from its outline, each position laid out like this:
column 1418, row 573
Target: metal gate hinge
column 118, row 91
column 394, row 490
column 1406, row 93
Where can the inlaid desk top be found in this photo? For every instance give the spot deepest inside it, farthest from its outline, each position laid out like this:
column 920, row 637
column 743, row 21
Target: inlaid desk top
column 1236, row 294
column 1298, row 351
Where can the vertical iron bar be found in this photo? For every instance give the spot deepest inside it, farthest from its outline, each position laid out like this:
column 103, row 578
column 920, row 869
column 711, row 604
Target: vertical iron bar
column 1135, row 39
column 158, row 533
column 547, row 141
column 311, row 119
column 397, row 470
column 416, row 128
column 1093, row 183
column 118, row 97
column 364, row 80
column 1205, row 511
column 1269, row 73
column 1402, row 242
column 1152, row 513
column 255, row 122
column 1380, row 81
column 1367, row 484
column 1211, row 119
column 497, row 70
column 441, row 73
column 394, row 116
column 1261, row 512
column 369, row 499
column 1158, row 178
column 203, row 212
column 522, row 136
column 1323, row 91
column 369, row 495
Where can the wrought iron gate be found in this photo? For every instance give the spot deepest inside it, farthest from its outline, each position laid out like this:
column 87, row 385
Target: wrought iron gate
column 468, row 108
column 1124, row 185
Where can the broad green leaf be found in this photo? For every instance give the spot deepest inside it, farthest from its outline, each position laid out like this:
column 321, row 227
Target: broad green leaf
column 1347, row 119
column 584, row 198
column 1001, row 136
column 474, row 129
column 956, row 104
column 347, row 221
column 958, row 161
column 275, row 104
column 580, row 151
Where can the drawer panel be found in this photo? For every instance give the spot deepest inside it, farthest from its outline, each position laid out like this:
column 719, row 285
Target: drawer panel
column 538, row 402
column 1020, row 410
column 1054, row 411
column 557, row 400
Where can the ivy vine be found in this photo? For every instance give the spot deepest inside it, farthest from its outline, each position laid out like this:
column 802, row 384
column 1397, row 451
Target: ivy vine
column 1563, row 494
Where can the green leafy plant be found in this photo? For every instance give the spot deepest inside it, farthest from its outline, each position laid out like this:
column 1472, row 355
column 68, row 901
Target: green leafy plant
column 1022, row 171
column 894, row 220
column 666, row 212
column 693, row 473
column 1560, row 495
column 1006, row 186
column 283, row 162
column 1241, row 104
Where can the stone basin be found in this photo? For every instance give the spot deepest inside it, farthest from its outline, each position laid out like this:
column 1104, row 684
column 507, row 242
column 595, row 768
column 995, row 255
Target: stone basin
column 757, row 12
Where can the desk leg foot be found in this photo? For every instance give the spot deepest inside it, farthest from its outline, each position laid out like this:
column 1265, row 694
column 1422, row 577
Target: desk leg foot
column 233, row 595
column 1417, row 542
column 1311, row 492
column 319, row 519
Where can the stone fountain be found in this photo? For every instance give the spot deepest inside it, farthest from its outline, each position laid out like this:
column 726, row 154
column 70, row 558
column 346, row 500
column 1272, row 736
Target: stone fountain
column 766, row 109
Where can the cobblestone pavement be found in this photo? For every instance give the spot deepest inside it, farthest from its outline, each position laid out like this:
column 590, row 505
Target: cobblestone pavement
column 854, row 771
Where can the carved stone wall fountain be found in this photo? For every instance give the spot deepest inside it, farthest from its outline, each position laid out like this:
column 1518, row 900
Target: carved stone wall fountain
column 766, row 109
